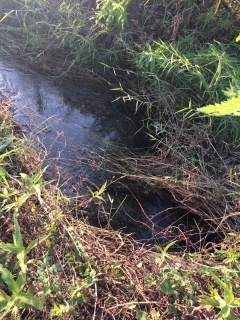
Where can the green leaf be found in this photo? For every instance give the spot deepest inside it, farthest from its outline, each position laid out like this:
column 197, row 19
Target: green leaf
column 8, row 279
column 166, row 287
column 3, row 176
column 3, row 305
column 39, row 175
column 225, row 311
column 228, row 294
column 172, row 309
column 18, row 241
column 79, row 298
column 3, row 295
column 56, row 309
column 229, row 107
column 231, row 316
column 28, row 298
column 21, row 258
column 208, row 301
column 236, row 302
column 8, row 307
column 38, row 190
column 4, row 155
column 4, row 145
column 142, row 315
column 9, row 247
column 34, row 243
column 21, row 280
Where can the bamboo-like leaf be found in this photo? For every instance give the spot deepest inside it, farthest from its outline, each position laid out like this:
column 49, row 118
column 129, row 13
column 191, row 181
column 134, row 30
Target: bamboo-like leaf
column 38, row 190
column 169, row 245
column 229, row 107
column 8, row 307
column 228, row 294
column 18, row 241
column 102, row 189
column 21, row 259
column 39, row 175
column 208, row 301
column 8, row 279
column 9, row 247
column 3, row 176
column 21, row 200
column 28, row 298
column 21, row 280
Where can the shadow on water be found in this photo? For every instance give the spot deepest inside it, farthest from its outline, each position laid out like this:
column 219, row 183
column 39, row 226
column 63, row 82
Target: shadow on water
column 66, row 118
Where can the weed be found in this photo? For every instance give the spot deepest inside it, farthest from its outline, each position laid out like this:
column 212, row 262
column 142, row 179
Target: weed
column 226, row 303
column 19, row 298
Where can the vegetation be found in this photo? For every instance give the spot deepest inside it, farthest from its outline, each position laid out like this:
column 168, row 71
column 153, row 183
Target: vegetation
column 168, row 60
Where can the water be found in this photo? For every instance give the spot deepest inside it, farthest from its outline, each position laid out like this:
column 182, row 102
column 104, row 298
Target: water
column 68, row 118
column 64, row 116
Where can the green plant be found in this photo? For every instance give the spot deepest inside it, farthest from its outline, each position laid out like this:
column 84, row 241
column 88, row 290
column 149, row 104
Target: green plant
column 229, row 107
column 226, row 303
column 201, row 74
column 20, row 295
column 115, row 12
column 97, row 194
column 164, row 253
column 31, row 186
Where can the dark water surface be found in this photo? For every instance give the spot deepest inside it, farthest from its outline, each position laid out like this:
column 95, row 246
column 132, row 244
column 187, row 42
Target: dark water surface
column 68, row 117
column 65, row 116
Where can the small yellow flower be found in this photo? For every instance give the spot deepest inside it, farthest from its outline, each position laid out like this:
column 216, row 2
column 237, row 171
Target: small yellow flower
column 33, row 208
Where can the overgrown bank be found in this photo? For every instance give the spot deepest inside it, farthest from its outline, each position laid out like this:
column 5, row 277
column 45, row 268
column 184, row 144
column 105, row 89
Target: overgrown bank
column 161, row 56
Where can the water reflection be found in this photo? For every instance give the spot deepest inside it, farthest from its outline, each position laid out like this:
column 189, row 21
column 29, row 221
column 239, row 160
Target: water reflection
column 65, row 116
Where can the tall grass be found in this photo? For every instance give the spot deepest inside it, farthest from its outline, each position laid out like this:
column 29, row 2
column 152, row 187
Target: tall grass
column 201, row 75
column 176, row 75
column 60, row 35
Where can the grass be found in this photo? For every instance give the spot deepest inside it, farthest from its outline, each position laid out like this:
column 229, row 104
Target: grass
column 168, row 58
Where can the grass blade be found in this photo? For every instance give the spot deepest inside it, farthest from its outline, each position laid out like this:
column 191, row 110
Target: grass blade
column 18, row 241
column 28, row 298
column 8, row 279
